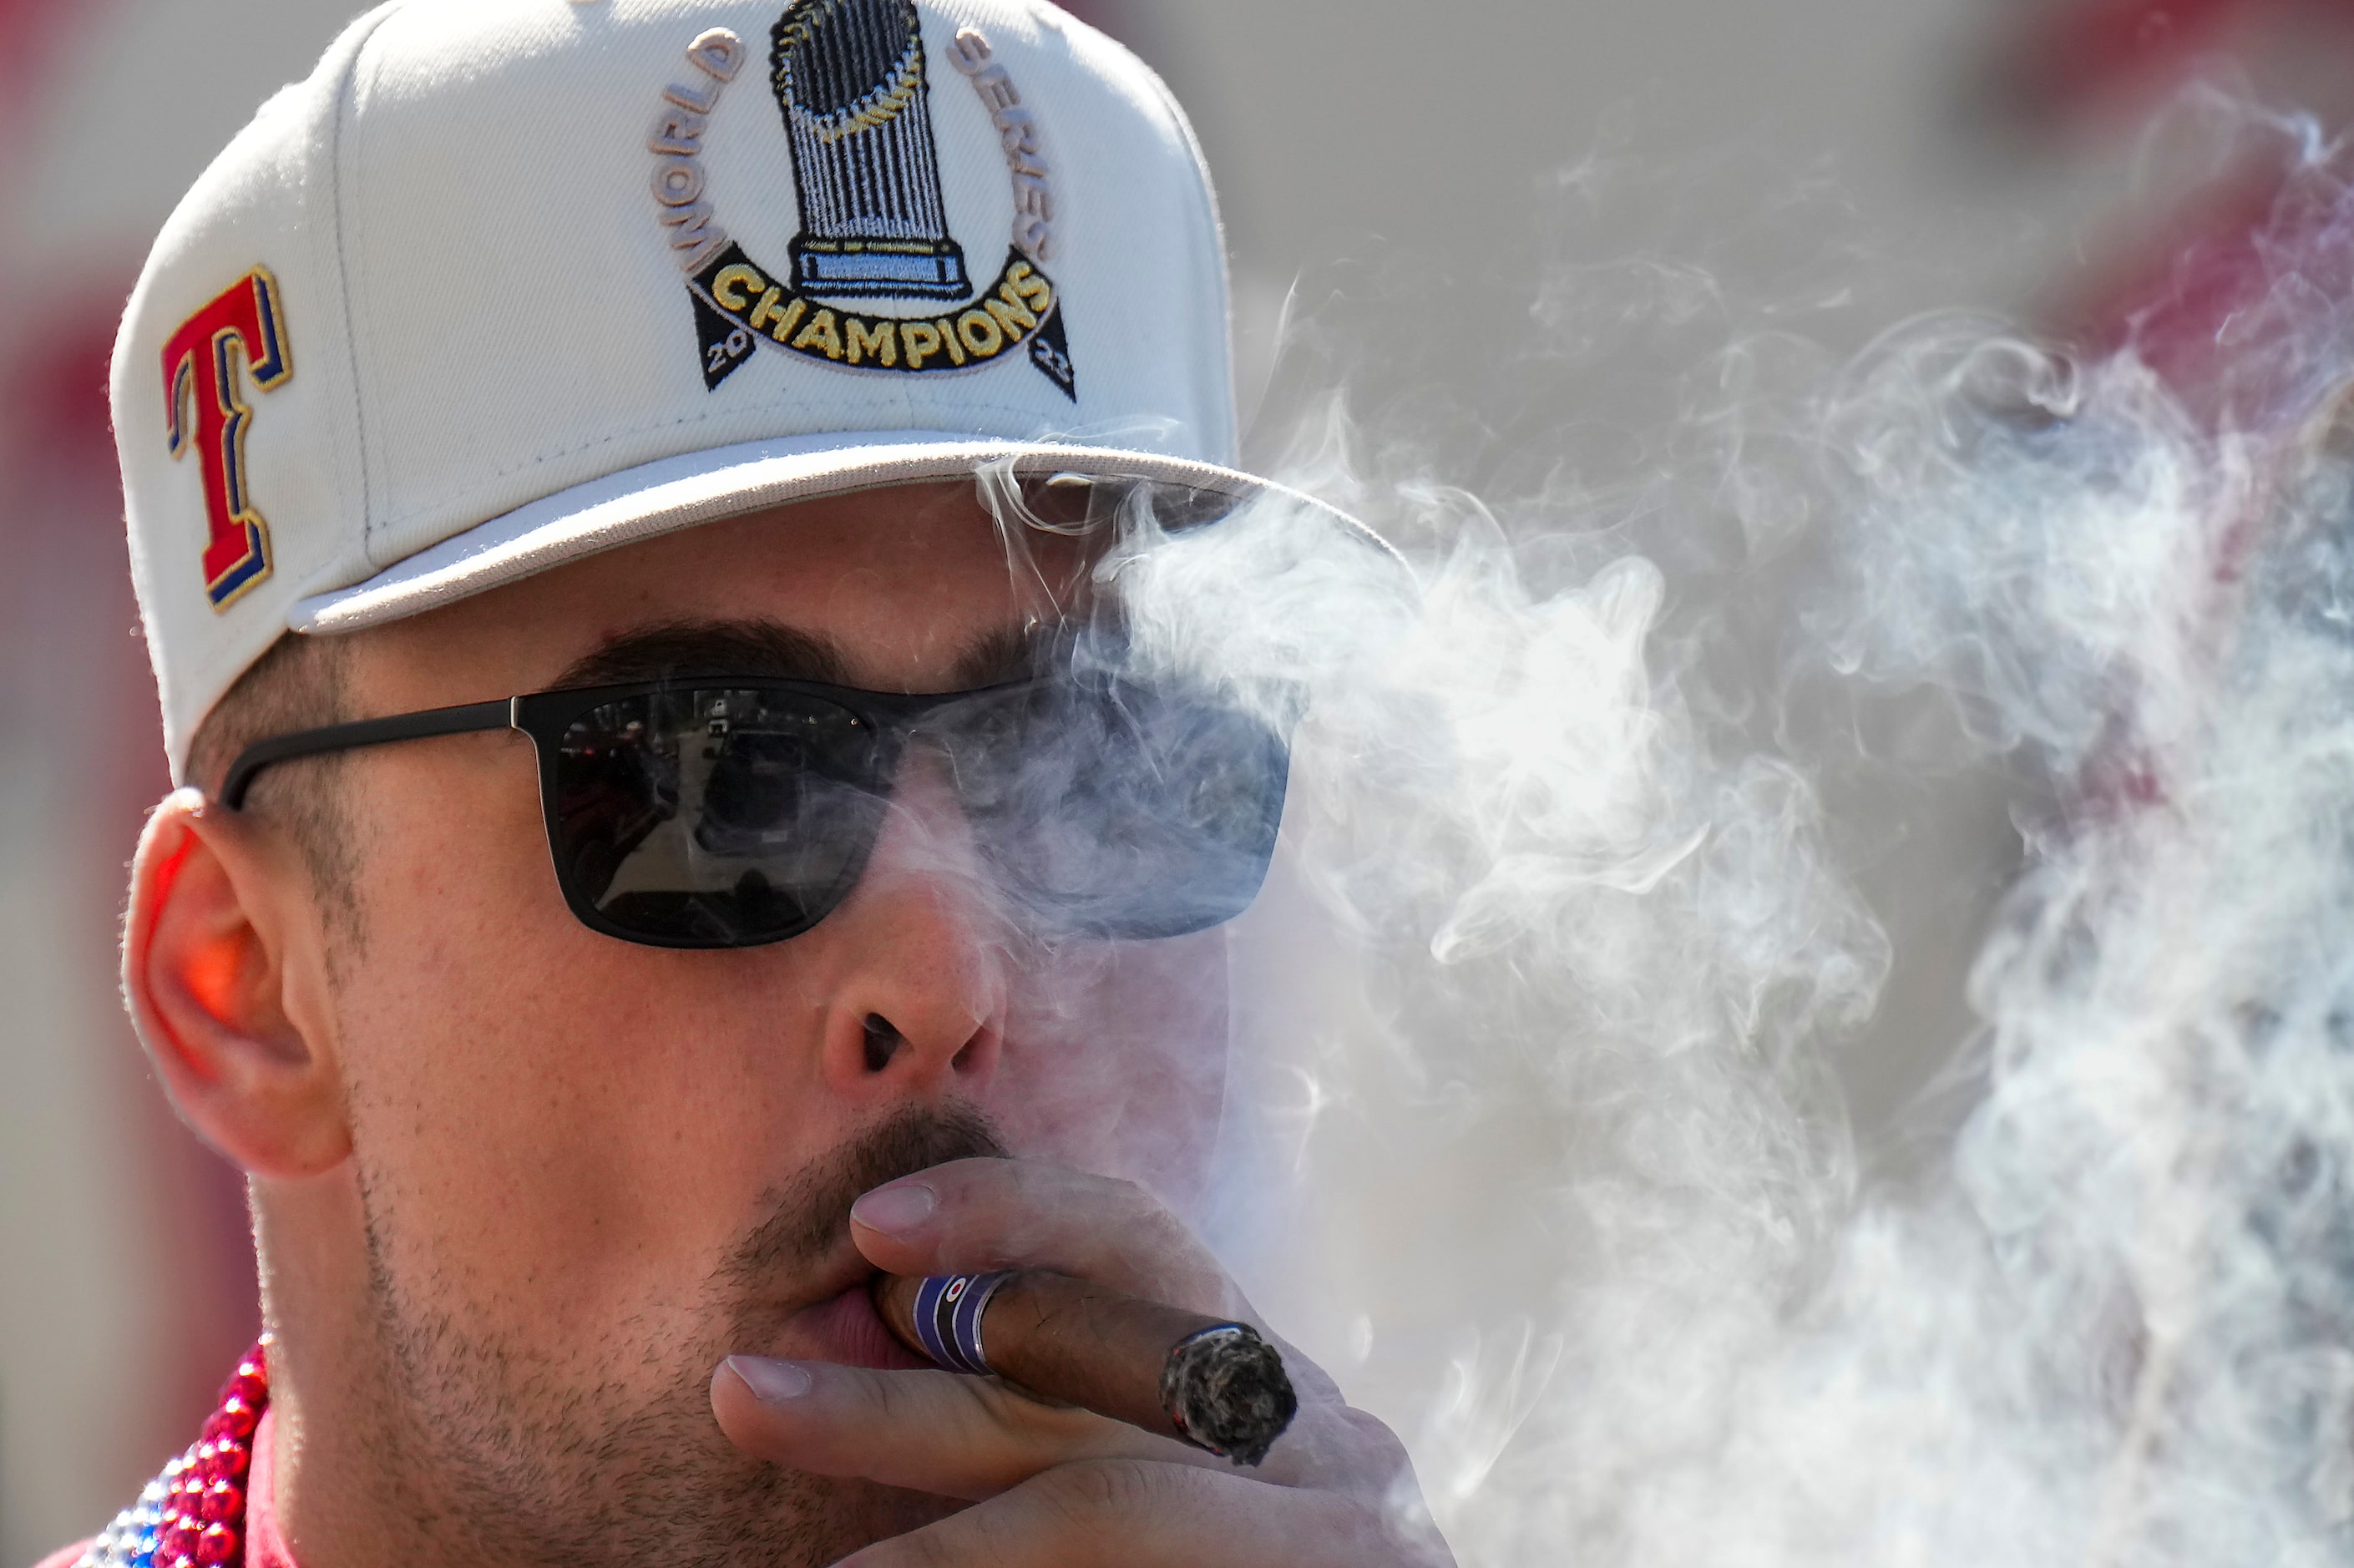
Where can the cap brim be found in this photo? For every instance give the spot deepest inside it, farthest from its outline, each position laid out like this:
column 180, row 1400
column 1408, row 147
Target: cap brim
column 728, row 482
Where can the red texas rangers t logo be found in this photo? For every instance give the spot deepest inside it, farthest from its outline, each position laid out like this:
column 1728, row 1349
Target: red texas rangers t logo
column 200, row 372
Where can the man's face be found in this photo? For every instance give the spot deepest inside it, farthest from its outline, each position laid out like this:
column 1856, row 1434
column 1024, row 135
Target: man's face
column 587, row 1169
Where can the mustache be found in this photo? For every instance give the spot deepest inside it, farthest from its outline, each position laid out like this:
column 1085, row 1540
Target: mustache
column 812, row 1210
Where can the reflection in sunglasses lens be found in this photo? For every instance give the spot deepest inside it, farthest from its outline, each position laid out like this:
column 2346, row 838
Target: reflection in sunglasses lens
column 715, row 815
column 1116, row 809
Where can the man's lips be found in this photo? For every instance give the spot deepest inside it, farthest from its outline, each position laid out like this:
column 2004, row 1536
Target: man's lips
column 846, row 1330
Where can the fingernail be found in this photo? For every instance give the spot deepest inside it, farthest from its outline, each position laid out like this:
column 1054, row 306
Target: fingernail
column 771, row 1382
column 896, row 1209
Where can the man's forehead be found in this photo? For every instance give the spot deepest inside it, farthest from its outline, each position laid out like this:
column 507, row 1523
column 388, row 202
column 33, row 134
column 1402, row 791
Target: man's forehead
column 779, row 651
column 917, row 588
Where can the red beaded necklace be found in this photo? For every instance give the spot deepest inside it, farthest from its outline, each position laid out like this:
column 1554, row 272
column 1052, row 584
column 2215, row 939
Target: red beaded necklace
column 203, row 1515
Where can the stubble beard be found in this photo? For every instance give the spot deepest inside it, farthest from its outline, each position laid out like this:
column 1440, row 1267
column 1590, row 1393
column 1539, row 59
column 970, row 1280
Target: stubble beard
column 493, row 1450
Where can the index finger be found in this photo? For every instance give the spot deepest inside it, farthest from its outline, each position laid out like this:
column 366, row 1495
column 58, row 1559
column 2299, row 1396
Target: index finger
column 973, row 1437
column 928, row 1431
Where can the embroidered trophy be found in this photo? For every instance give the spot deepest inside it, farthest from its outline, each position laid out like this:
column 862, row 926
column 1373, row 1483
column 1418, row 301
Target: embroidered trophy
column 849, row 75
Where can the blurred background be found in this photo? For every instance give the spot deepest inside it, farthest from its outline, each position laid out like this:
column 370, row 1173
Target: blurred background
column 1852, row 161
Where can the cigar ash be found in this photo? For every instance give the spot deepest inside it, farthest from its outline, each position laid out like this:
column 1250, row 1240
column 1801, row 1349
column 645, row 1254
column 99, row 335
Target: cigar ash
column 1226, row 1391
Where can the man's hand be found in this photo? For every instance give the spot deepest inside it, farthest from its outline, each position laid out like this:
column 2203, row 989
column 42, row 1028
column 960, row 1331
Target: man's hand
column 1051, row 1487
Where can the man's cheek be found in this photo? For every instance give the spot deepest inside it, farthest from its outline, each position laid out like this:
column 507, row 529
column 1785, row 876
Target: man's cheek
column 596, row 1135
column 551, row 1211
column 487, row 1072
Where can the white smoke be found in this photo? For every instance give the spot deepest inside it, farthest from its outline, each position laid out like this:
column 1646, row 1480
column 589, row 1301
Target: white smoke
column 1540, row 1145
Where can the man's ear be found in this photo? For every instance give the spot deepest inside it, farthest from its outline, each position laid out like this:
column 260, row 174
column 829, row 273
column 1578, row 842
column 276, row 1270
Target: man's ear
column 224, row 966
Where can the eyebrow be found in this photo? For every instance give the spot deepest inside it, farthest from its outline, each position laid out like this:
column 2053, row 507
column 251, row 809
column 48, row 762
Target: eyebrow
column 772, row 650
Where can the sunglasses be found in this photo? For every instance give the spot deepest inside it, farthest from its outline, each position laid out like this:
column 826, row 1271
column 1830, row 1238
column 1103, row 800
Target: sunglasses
column 727, row 812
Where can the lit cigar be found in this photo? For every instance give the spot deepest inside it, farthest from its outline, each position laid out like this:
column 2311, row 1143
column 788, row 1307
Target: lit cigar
column 1212, row 1382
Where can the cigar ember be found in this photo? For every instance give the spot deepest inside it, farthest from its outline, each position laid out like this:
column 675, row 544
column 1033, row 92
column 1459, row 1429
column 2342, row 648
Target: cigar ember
column 1213, row 1383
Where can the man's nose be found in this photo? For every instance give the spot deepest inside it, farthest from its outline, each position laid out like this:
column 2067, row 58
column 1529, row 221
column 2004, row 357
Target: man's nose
column 917, row 1008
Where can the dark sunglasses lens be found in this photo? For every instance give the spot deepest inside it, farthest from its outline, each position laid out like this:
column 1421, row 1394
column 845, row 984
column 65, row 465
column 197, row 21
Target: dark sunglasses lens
column 1115, row 809
column 715, row 817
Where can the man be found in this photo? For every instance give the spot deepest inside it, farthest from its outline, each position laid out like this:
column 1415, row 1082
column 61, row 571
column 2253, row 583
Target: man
column 635, row 389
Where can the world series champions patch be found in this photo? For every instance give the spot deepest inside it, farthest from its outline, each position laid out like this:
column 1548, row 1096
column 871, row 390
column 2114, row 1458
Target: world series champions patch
column 848, row 77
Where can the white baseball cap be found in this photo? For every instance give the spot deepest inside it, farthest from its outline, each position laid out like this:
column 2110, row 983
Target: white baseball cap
column 508, row 283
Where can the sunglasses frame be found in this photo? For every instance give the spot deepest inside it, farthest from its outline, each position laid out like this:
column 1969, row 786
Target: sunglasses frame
column 545, row 717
